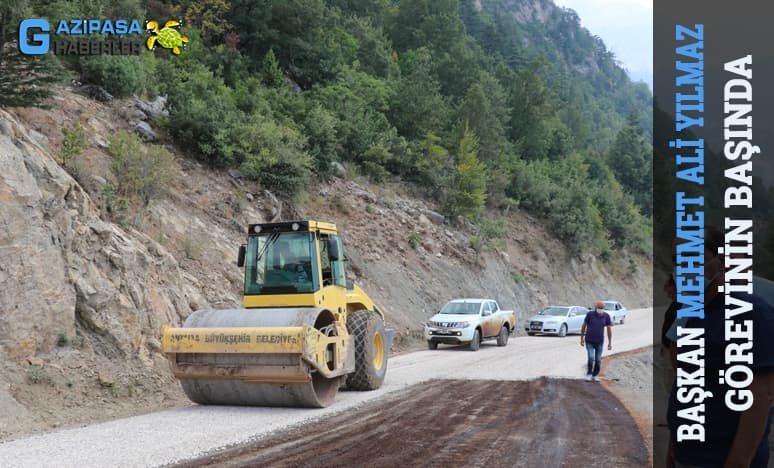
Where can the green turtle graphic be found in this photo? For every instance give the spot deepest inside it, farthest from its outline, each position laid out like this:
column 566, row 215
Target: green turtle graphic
column 167, row 37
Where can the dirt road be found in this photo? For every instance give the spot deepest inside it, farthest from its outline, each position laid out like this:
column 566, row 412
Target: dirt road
column 190, row 432
column 544, row 422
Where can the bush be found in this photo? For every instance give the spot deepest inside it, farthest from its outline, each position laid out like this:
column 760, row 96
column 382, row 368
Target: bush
column 274, row 155
column 375, row 173
column 142, row 171
column 413, row 240
column 517, row 277
column 114, row 206
column 62, row 340
column 73, row 142
column 202, row 112
column 37, row 374
column 121, row 76
column 492, row 232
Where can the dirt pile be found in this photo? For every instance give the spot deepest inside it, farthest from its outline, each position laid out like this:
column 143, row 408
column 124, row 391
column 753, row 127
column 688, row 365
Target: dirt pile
column 84, row 298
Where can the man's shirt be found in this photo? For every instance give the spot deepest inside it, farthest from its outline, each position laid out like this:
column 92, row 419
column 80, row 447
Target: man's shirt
column 595, row 326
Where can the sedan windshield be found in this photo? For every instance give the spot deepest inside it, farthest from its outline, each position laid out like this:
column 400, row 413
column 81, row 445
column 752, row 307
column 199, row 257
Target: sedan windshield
column 609, row 305
column 555, row 311
column 463, row 308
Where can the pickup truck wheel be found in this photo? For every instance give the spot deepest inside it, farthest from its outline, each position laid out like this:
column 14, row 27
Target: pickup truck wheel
column 502, row 338
column 622, row 320
column 432, row 345
column 476, row 341
column 563, row 330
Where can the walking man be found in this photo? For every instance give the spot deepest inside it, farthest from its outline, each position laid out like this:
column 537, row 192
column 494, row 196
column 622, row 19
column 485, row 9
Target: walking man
column 593, row 337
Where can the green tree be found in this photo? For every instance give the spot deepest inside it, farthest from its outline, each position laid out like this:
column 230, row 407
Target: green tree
column 121, row 76
column 630, row 157
column 484, row 110
column 417, row 107
column 295, row 29
column 320, row 129
column 427, row 23
column 374, row 50
column 24, row 80
column 210, row 17
column 272, row 154
column 468, row 191
column 430, row 162
column 359, row 102
column 203, row 112
column 270, row 70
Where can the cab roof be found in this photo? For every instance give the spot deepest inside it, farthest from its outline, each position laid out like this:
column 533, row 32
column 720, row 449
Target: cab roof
column 287, row 226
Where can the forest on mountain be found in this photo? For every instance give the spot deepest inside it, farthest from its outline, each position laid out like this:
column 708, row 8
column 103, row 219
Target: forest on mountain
column 486, row 106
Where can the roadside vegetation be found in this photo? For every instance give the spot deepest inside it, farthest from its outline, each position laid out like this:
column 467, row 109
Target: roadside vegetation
column 484, row 113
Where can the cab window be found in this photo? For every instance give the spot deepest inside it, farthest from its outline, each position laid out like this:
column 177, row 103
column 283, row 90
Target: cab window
column 332, row 271
column 280, row 264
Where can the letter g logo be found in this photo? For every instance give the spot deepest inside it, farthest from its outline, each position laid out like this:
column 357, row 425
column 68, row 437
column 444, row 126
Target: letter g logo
column 40, row 42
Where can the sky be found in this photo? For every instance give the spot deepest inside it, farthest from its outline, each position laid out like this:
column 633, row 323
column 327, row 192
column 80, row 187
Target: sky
column 626, row 27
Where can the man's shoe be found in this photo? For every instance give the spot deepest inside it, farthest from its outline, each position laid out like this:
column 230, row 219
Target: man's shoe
column 594, row 378
column 589, row 377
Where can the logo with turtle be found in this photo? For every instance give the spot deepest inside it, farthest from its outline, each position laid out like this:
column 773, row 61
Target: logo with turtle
column 168, row 37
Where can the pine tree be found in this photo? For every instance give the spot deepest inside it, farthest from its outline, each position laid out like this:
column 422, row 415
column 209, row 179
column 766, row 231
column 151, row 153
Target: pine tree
column 270, row 70
column 469, row 186
column 24, row 80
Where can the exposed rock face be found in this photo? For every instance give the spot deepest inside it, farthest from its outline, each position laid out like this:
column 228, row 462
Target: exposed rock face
column 63, row 268
column 66, row 275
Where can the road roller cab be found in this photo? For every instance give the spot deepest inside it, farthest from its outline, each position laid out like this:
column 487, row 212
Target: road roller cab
column 303, row 331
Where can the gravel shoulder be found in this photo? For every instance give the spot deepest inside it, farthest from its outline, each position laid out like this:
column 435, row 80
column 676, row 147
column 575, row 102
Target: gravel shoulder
column 629, row 376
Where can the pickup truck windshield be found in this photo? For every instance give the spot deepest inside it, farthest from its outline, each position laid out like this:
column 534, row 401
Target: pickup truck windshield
column 463, row 308
column 556, row 311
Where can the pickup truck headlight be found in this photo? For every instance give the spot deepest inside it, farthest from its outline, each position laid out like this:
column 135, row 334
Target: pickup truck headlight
column 463, row 325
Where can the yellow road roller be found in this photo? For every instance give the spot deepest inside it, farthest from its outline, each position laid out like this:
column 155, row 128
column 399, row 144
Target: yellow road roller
column 304, row 331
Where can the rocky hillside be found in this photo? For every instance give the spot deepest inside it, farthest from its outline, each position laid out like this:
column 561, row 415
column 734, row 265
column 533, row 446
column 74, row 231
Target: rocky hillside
column 84, row 299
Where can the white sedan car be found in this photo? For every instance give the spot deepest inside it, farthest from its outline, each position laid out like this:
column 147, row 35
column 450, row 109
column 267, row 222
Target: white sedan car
column 556, row 320
column 616, row 310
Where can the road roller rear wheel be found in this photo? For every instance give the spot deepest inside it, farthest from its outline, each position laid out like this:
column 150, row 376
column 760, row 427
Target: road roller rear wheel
column 367, row 329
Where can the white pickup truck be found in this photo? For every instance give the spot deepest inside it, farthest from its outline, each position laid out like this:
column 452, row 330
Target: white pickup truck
column 469, row 321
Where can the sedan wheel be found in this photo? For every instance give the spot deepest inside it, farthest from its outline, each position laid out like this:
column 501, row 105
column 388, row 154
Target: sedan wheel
column 563, row 330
